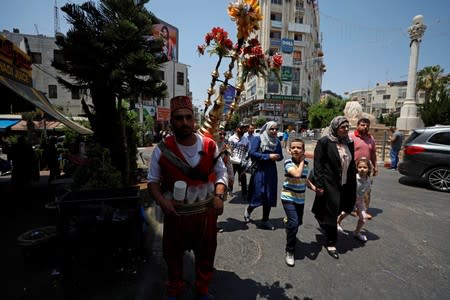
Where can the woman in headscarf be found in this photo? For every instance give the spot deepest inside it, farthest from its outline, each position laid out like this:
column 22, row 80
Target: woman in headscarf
column 335, row 179
column 263, row 190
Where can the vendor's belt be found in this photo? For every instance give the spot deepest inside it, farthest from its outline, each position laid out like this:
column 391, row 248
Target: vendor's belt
column 193, row 208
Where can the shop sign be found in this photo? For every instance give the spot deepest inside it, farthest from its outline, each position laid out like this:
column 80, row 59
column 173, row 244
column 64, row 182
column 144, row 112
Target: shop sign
column 162, row 114
column 287, row 45
column 14, row 63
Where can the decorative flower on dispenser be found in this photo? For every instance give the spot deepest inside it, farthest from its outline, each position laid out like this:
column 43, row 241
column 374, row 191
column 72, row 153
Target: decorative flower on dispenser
column 217, row 41
column 256, row 63
column 246, row 14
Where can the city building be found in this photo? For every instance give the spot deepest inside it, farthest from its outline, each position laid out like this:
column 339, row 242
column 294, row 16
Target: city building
column 384, row 98
column 291, row 28
column 43, row 50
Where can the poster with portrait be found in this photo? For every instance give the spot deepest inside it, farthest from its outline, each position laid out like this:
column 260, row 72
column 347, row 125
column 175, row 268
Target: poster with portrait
column 169, row 34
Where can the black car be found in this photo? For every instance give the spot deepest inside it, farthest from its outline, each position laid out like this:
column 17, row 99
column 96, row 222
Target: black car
column 427, row 155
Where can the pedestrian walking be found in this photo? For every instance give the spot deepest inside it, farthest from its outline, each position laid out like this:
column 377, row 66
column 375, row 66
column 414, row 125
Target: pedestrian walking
column 239, row 147
column 396, row 140
column 335, row 179
column 296, row 170
column 365, row 146
column 266, row 151
column 363, row 185
column 187, row 160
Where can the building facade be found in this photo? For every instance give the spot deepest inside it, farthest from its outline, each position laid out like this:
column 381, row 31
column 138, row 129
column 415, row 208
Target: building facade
column 291, row 28
column 43, row 51
column 384, row 98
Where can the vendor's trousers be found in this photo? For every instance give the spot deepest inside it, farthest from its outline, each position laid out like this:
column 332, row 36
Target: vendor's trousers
column 197, row 232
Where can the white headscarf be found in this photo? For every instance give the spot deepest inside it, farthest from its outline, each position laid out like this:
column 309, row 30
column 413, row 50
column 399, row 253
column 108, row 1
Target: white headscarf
column 268, row 142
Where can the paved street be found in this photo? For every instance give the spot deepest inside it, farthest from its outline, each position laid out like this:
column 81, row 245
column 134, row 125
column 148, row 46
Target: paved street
column 407, row 253
column 406, row 256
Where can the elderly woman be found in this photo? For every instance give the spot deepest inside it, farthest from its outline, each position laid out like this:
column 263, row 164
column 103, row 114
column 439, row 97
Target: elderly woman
column 266, row 150
column 335, row 179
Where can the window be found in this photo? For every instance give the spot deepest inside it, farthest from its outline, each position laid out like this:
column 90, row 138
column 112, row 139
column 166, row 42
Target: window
column 295, row 74
column 386, row 97
column 295, row 89
column 76, row 94
column 402, row 93
column 52, row 91
column 298, row 17
column 297, row 57
column 180, row 78
column 279, row 2
column 275, row 17
column 298, row 37
column 36, row 57
column 58, row 56
column 440, row 138
column 299, row 5
column 161, row 75
column 273, row 86
column 275, row 35
column 272, row 51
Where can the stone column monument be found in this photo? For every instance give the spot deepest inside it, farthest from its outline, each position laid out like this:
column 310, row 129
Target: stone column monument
column 408, row 114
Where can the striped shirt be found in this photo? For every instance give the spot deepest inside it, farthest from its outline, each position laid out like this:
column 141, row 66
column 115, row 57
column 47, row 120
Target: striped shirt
column 294, row 187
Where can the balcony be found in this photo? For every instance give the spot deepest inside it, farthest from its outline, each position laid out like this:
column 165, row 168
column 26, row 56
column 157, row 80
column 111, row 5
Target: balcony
column 276, row 24
column 301, row 44
column 296, row 27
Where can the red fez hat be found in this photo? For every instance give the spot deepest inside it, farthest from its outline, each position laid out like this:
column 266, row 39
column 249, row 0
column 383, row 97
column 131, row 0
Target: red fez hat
column 180, row 102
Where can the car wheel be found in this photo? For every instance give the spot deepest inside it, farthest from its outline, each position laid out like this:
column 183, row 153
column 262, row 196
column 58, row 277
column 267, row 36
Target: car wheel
column 439, row 179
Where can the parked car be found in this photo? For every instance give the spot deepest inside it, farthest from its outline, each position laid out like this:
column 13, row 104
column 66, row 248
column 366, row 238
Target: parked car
column 427, row 155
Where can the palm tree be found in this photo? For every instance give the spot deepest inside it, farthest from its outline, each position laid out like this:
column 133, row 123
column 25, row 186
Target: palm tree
column 107, row 50
column 436, row 85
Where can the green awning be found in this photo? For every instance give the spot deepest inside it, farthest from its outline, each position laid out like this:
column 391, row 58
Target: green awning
column 39, row 100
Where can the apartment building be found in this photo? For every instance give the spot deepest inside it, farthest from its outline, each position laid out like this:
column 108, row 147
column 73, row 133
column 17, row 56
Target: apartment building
column 291, row 28
column 43, row 50
column 384, row 98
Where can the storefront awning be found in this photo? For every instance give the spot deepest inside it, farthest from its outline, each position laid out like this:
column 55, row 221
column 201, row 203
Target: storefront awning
column 39, row 100
column 7, row 123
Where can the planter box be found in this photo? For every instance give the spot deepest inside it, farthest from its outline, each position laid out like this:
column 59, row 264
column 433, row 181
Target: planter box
column 98, row 228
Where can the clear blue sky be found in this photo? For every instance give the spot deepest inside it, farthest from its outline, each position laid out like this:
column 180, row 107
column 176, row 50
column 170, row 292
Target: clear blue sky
column 364, row 41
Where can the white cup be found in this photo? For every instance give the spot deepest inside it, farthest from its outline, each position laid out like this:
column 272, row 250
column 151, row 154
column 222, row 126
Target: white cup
column 202, row 192
column 191, row 194
column 179, row 190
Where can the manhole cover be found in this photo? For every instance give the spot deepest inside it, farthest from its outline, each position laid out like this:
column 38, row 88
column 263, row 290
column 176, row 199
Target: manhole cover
column 236, row 252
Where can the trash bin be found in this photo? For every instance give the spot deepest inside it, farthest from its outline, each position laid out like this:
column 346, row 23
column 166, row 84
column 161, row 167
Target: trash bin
column 38, row 246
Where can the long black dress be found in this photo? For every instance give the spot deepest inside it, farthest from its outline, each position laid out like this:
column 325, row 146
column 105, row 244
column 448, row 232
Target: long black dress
column 327, row 175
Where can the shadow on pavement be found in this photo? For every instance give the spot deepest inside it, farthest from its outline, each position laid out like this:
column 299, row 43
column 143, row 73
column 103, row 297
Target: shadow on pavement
column 414, row 182
column 233, row 287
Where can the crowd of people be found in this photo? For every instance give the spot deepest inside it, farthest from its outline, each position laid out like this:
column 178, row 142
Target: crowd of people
column 341, row 179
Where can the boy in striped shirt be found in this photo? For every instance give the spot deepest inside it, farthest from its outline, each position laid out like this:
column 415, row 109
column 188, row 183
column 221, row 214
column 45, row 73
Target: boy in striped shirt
column 293, row 194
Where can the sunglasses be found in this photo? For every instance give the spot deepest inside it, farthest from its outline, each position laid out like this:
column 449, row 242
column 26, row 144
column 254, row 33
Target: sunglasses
column 181, row 117
column 273, row 128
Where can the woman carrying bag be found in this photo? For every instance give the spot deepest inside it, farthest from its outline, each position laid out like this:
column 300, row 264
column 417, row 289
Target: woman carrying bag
column 266, row 150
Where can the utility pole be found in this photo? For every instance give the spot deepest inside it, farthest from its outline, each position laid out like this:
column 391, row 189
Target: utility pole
column 56, row 19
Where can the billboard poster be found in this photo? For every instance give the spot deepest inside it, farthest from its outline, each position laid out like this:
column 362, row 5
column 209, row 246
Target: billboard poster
column 228, row 97
column 169, row 34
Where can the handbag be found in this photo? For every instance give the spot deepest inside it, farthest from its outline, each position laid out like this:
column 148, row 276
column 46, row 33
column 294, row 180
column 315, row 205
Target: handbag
column 249, row 165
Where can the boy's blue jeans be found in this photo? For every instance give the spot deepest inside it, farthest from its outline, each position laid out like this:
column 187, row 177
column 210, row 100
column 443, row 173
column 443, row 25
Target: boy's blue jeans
column 294, row 214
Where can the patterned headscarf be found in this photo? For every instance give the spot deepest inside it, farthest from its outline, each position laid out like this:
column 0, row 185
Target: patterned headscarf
column 268, row 142
column 334, row 127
